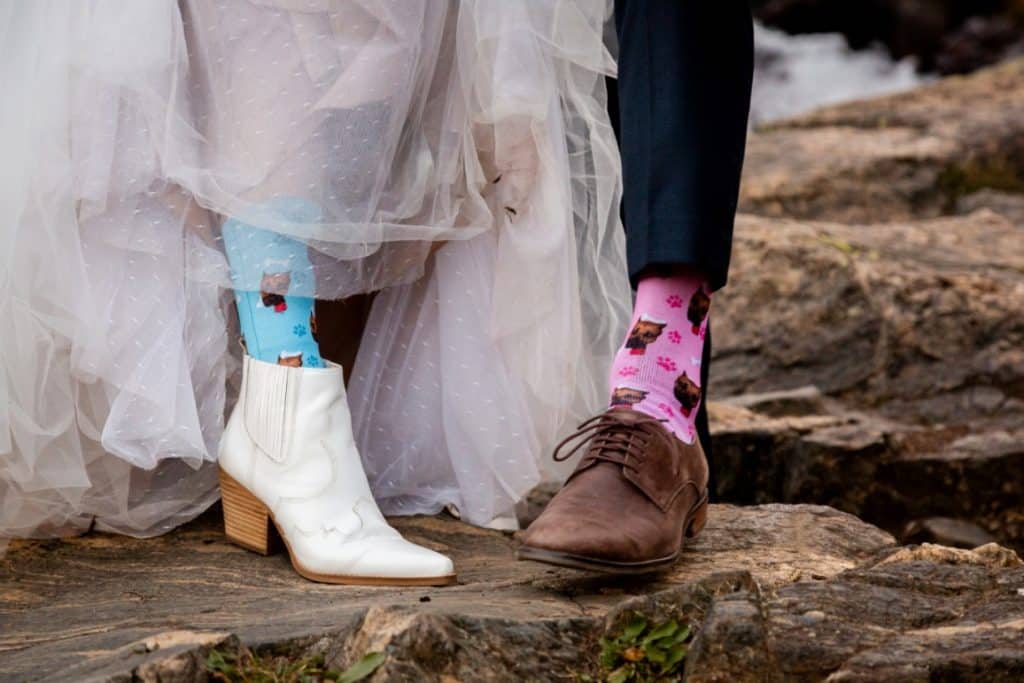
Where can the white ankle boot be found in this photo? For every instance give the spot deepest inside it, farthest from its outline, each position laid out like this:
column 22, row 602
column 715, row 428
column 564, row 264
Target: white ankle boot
column 288, row 458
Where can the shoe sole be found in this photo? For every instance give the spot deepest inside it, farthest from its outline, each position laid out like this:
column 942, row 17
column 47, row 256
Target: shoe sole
column 693, row 524
column 250, row 524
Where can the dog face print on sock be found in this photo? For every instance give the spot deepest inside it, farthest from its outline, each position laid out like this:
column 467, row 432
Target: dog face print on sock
column 645, row 332
column 700, row 303
column 626, row 397
column 273, row 287
column 657, row 370
column 292, row 359
column 687, row 393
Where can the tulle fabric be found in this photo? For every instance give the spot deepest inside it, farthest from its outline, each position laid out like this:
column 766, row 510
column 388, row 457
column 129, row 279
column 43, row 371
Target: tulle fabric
column 132, row 130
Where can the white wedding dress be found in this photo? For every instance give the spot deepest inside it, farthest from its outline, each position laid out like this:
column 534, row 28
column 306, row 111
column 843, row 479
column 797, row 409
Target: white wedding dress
column 131, row 128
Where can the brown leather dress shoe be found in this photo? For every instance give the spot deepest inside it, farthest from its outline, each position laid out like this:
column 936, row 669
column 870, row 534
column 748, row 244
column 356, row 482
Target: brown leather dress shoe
column 627, row 505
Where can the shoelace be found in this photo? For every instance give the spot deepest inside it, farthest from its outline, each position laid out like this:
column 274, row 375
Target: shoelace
column 612, row 439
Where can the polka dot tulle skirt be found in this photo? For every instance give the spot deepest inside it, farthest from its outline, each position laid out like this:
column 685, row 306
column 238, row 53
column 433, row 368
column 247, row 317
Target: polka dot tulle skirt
column 455, row 157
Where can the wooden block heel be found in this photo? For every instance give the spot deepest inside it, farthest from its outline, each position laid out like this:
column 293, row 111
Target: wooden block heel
column 247, row 521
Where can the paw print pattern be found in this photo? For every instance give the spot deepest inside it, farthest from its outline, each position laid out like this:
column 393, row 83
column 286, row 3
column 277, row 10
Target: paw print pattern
column 667, row 409
column 675, row 337
column 299, row 330
column 674, row 301
column 629, row 371
column 666, row 363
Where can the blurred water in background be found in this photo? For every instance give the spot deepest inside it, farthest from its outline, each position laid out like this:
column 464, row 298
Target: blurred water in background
column 796, row 73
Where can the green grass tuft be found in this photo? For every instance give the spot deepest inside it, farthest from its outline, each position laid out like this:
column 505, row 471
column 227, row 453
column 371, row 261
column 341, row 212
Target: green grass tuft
column 645, row 652
column 245, row 666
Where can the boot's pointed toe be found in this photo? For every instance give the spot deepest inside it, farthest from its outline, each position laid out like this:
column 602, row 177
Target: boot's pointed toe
column 403, row 558
column 378, row 561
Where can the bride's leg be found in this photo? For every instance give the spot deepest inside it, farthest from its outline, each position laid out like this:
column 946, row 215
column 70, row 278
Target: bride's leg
column 339, row 326
column 288, row 457
column 275, row 304
column 271, row 274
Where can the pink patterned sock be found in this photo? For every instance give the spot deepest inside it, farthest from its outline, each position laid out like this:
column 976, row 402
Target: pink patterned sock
column 657, row 370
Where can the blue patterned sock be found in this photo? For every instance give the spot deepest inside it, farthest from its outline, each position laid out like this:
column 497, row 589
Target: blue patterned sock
column 273, row 280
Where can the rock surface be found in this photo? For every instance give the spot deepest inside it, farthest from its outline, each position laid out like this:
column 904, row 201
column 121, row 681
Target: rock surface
column 892, row 158
column 926, row 613
column 102, row 607
column 948, row 531
column 773, row 592
column 918, row 482
column 107, row 608
column 1006, row 204
column 920, row 319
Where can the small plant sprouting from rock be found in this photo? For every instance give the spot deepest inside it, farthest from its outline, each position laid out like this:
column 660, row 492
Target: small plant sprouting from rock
column 244, row 666
column 645, row 652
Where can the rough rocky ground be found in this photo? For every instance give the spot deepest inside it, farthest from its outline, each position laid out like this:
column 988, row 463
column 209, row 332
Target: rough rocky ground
column 873, row 327
column 920, row 320
column 939, row 483
column 775, row 592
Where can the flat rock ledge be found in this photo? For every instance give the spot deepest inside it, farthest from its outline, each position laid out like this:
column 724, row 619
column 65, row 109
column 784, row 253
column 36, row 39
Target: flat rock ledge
column 935, row 483
column 773, row 593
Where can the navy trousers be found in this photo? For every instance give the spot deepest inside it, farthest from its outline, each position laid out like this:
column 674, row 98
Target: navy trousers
column 680, row 109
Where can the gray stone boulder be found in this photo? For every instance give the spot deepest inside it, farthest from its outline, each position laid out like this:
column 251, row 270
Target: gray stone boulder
column 921, row 483
column 921, row 320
